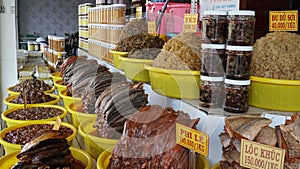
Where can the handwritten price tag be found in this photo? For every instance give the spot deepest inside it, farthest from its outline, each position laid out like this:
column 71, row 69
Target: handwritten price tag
column 283, row 20
column 259, row 156
column 190, row 22
column 151, row 27
column 192, row 139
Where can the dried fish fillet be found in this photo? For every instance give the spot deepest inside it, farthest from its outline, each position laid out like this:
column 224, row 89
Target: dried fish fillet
column 267, row 136
column 246, row 126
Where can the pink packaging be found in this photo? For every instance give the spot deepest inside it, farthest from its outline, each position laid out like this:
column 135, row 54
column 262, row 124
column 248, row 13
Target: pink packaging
column 172, row 21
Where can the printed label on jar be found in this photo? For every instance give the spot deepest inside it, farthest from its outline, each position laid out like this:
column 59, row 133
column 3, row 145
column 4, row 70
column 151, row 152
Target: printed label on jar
column 259, row 156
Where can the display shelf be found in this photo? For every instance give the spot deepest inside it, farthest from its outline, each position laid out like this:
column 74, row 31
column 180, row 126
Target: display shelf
column 211, row 120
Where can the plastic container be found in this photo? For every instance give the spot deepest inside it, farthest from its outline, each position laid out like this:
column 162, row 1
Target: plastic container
column 12, row 122
column 104, row 158
column 238, row 62
column 94, row 145
column 56, row 76
column 216, row 166
column 116, row 60
column 241, row 26
column 118, row 14
column 12, row 93
column 61, row 44
column 9, row 160
column 173, row 19
column 36, row 46
column 59, row 86
column 175, row 83
column 9, row 147
column 211, row 91
column 30, row 45
column 77, row 116
column 68, row 99
column 14, row 105
column 275, row 94
column 214, row 27
column 236, row 95
column 134, row 69
column 213, row 57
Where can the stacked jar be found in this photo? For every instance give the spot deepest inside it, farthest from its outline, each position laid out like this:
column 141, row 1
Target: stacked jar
column 214, row 24
column 239, row 54
column 83, row 22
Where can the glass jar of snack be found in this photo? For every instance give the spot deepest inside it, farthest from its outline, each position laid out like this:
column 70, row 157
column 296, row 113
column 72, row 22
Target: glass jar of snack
column 213, row 59
column 211, row 91
column 214, row 27
column 238, row 62
column 236, row 95
column 241, row 25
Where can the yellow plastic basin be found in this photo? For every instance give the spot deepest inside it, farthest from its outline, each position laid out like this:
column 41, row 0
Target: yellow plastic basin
column 275, row 94
column 175, row 83
column 9, row 160
column 12, row 93
column 104, row 158
column 10, row 147
column 14, row 105
column 59, row 86
column 216, row 166
column 77, row 116
column 11, row 122
column 134, row 69
column 56, row 76
column 116, row 60
column 94, row 145
column 68, row 99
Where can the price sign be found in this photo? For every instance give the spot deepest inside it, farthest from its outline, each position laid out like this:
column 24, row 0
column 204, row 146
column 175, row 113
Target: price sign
column 283, row 20
column 139, row 12
column 151, row 27
column 260, row 156
column 192, row 139
column 190, row 22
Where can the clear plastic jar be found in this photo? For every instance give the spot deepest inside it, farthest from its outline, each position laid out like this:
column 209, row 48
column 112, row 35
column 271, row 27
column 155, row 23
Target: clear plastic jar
column 238, row 62
column 213, row 58
column 241, row 25
column 211, row 91
column 236, row 95
column 214, row 27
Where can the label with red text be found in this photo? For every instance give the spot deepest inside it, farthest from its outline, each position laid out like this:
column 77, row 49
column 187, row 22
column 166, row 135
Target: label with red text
column 283, row 20
column 260, row 156
column 192, row 139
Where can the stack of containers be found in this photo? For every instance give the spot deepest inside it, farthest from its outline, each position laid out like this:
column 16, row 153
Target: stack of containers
column 227, row 44
column 239, row 54
column 214, row 24
column 106, row 22
column 56, row 46
column 83, row 25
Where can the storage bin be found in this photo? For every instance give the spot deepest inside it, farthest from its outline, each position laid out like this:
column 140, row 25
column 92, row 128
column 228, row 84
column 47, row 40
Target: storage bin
column 9, row 147
column 9, row 160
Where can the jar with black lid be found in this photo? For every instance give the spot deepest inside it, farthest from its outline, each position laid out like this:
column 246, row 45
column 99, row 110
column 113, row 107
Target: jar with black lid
column 236, row 95
column 241, row 25
column 211, row 91
column 238, row 62
column 213, row 58
column 214, row 27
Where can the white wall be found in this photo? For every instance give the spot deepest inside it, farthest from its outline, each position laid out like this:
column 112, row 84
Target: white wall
column 8, row 59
